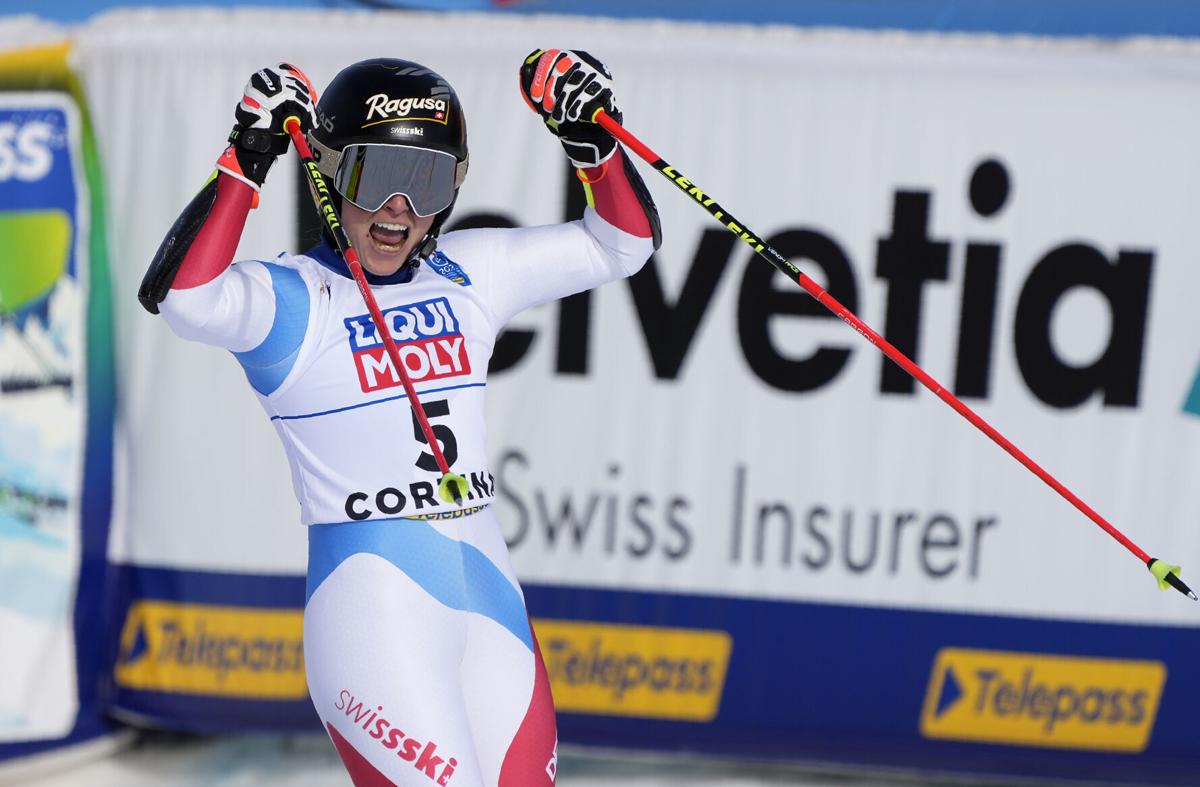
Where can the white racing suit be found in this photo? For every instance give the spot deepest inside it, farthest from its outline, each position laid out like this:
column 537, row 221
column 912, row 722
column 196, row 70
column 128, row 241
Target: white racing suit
column 420, row 658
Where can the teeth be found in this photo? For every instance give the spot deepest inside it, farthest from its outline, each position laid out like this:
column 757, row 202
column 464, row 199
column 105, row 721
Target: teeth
column 392, row 227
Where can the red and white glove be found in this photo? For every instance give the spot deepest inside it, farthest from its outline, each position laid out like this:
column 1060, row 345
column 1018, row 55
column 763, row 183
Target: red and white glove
column 567, row 88
column 271, row 96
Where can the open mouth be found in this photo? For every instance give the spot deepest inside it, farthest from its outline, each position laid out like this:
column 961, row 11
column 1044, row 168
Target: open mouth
column 389, row 237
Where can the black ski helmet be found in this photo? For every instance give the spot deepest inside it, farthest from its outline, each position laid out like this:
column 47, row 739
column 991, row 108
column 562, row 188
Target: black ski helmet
column 387, row 101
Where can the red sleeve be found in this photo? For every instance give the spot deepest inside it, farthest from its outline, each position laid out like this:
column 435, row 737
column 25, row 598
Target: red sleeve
column 215, row 244
column 611, row 194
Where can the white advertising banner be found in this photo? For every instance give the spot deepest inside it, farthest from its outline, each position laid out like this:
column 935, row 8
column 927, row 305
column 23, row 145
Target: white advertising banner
column 1016, row 215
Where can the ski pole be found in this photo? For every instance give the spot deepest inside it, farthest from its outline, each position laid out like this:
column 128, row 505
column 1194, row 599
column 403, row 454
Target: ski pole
column 451, row 486
column 1167, row 575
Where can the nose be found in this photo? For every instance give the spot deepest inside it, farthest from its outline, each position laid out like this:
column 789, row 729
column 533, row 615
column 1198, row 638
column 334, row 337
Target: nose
column 396, row 205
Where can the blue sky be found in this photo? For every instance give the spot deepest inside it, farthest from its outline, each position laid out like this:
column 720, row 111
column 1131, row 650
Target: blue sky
column 1109, row 18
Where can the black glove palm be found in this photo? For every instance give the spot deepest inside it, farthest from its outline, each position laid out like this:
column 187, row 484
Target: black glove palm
column 567, row 88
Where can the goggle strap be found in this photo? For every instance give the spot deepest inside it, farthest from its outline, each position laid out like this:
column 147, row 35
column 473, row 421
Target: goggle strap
column 327, row 158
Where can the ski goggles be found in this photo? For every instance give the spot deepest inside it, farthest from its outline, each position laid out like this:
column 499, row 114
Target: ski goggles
column 368, row 175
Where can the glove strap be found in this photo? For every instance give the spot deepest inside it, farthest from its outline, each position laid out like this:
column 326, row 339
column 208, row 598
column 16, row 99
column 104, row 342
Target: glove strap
column 585, row 154
column 250, row 154
column 257, row 140
column 581, row 173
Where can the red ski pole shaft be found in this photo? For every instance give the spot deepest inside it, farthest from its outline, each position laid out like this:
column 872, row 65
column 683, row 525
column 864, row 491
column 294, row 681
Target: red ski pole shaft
column 324, row 202
column 772, row 256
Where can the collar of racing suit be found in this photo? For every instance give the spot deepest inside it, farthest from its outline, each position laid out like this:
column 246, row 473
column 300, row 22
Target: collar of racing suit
column 328, row 256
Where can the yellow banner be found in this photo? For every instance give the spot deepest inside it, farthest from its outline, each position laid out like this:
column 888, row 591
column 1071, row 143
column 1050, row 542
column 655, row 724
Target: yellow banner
column 201, row 649
column 1034, row 699
column 621, row 670
column 41, row 67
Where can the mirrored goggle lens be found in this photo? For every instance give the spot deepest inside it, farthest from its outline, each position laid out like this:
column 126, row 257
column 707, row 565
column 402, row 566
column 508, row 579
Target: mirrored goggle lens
column 370, row 175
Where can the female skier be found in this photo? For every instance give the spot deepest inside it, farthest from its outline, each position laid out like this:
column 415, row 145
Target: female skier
column 420, row 658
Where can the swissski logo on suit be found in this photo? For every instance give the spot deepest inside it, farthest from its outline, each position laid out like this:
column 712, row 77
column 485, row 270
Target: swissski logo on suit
column 428, row 338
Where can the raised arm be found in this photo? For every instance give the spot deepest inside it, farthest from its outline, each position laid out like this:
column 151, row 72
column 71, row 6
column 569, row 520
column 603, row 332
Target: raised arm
column 567, row 89
column 190, row 278
column 620, row 228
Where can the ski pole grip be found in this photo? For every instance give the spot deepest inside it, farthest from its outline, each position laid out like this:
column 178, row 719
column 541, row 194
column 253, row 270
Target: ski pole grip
column 292, row 126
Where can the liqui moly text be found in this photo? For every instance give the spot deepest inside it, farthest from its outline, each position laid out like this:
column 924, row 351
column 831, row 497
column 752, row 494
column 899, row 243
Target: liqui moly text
column 431, row 345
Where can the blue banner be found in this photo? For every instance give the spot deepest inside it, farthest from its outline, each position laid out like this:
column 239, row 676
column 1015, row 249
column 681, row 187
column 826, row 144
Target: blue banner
column 56, row 400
